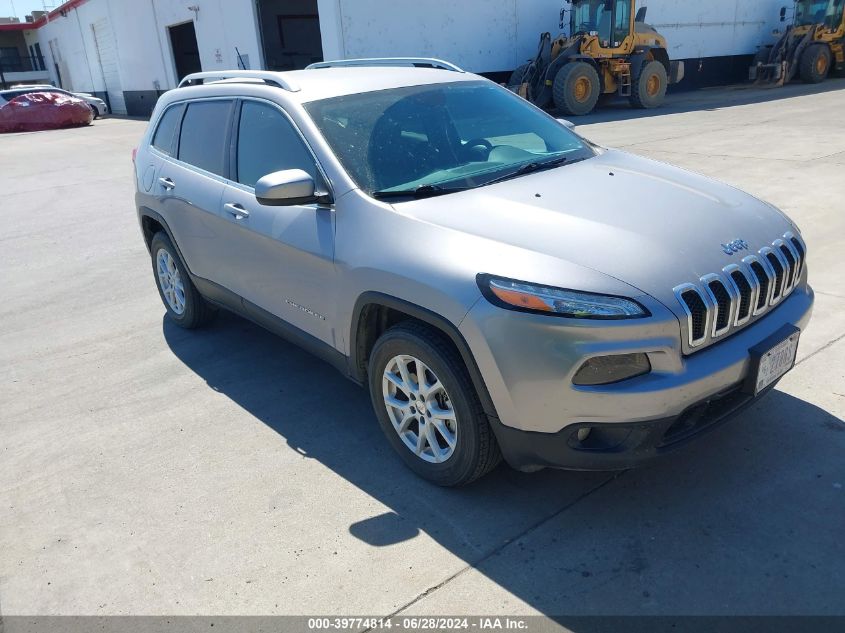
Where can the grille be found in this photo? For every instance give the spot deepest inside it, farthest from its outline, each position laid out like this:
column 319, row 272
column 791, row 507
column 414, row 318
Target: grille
column 698, row 312
column 720, row 303
column 745, row 295
column 763, row 281
column 774, row 262
column 799, row 253
column 723, row 304
column 705, row 414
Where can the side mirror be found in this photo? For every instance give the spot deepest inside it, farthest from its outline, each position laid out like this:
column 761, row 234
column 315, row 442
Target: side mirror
column 567, row 123
column 286, row 188
column 641, row 14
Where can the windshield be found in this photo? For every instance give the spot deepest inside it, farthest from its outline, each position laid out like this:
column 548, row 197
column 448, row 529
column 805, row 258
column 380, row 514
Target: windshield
column 827, row 12
column 592, row 16
column 445, row 136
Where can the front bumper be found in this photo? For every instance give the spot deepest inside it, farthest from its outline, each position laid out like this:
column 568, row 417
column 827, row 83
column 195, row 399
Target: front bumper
column 527, row 362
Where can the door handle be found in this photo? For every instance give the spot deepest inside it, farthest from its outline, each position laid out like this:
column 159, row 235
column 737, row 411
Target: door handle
column 166, row 183
column 237, row 210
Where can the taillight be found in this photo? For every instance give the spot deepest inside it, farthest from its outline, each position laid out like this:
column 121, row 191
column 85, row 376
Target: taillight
column 134, row 154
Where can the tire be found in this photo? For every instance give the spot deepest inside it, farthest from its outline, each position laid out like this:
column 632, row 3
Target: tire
column 473, row 451
column 195, row 311
column 815, row 64
column 517, row 75
column 649, row 88
column 576, row 88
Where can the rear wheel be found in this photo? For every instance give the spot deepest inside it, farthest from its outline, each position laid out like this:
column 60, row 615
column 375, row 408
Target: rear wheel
column 185, row 306
column 576, row 88
column 649, row 88
column 815, row 64
column 428, row 408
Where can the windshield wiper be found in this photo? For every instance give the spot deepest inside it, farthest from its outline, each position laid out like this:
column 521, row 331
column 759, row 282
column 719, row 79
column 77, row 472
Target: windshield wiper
column 529, row 168
column 423, row 191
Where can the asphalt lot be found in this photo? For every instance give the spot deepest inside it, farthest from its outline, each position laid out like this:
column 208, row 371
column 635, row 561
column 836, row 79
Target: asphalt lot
column 148, row 470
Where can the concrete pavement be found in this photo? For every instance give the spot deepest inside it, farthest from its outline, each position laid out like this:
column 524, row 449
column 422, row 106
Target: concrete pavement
column 149, row 470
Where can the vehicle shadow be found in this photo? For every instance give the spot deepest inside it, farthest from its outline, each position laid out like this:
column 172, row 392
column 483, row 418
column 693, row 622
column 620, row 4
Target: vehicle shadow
column 706, row 99
column 727, row 515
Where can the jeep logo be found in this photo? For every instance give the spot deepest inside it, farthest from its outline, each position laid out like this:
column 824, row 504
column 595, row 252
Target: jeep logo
column 734, row 247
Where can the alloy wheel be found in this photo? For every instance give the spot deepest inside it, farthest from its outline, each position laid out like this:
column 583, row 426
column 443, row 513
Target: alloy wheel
column 170, row 281
column 420, row 409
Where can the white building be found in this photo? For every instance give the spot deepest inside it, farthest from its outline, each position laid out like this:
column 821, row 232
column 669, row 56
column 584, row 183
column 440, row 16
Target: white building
column 132, row 50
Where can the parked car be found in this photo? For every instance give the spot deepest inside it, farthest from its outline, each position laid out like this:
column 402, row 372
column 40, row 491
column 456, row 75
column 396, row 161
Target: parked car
column 41, row 110
column 97, row 105
column 502, row 285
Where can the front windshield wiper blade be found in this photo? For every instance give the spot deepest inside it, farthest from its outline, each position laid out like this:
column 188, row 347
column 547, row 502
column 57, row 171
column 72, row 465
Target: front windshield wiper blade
column 529, row 168
column 423, row 191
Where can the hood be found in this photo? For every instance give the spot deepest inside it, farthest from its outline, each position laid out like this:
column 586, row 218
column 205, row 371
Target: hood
column 642, row 222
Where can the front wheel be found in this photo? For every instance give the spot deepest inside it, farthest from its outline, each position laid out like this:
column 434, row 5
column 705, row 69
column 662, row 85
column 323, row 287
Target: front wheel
column 576, row 88
column 427, row 407
column 649, row 89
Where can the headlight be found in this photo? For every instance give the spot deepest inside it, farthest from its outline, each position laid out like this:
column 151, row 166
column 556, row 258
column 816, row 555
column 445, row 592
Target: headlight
column 518, row 295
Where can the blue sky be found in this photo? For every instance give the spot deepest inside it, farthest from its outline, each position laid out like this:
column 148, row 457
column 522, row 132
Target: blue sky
column 24, row 7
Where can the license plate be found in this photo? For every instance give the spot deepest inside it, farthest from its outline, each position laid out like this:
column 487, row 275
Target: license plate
column 774, row 360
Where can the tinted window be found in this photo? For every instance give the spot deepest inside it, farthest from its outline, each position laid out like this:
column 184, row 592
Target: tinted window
column 267, row 142
column 163, row 139
column 202, row 142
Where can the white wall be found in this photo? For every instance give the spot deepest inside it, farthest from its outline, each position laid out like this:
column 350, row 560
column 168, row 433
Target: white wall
column 485, row 35
column 498, row 35
column 715, row 27
column 143, row 44
column 221, row 25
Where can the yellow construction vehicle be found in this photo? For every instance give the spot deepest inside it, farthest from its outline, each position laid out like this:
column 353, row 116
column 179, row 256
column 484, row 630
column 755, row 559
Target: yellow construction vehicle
column 609, row 50
column 809, row 47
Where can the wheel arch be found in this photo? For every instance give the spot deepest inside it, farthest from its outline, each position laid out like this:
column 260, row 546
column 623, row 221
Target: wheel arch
column 662, row 55
column 152, row 223
column 375, row 311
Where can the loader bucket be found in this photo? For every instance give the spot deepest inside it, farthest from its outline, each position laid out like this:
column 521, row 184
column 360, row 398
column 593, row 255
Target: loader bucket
column 768, row 73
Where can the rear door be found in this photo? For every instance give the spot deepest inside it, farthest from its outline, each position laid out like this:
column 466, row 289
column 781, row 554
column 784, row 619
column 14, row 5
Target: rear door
column 277, row 258
column 190, row 183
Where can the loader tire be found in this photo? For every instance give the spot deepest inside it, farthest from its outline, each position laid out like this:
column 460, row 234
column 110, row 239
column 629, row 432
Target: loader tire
column 517, row 76
column 649, row 88
column 815, row 64
column 576, row 88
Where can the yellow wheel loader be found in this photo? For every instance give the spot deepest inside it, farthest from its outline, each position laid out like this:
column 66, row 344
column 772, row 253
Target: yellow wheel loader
column 609, row 50
column 809, row 47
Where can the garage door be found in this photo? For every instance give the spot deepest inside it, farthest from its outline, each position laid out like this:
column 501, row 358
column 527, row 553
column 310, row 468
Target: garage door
column 107, row 55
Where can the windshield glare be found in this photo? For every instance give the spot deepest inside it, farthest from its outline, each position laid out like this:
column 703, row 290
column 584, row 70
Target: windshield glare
column 452, row 136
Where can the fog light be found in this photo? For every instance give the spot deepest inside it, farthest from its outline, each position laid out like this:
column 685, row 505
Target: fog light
column 584, row 433
column 603, row 370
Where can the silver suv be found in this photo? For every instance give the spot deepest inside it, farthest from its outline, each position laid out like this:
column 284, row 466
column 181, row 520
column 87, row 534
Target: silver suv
column 503, row 286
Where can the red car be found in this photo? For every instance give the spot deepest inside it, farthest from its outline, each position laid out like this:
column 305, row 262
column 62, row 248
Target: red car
column 45, row 110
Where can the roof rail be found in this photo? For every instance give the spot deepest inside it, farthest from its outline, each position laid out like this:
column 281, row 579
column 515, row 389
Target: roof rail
column 268, row 77
column 419, row 62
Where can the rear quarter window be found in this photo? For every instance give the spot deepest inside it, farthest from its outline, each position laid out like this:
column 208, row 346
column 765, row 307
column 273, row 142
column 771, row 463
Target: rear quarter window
column 164, row 137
